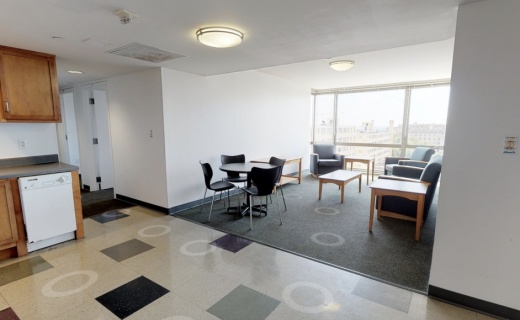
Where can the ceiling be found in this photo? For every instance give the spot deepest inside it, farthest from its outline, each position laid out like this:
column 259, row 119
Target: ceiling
column 293, row 39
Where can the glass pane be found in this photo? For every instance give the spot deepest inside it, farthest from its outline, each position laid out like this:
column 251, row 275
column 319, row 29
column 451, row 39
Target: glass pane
column 324, row 118
column 374, row 117
column 428, row 113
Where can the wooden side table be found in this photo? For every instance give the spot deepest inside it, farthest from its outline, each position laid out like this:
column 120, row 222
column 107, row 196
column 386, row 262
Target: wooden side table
column 286, row 178
column 366, row 160
column 415, row 191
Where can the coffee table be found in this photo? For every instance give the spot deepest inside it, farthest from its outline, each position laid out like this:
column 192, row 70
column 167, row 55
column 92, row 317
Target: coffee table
column 340, row 178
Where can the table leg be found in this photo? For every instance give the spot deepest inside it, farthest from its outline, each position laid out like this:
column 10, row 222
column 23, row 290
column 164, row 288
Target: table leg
column 319, row 194
column 300, row 172
column 420, row 212
column 371, row 220
column 379, row 202
column 359, row 183
column 373, row 164
column 342, row 192
column 368, row 170
column 351, row 164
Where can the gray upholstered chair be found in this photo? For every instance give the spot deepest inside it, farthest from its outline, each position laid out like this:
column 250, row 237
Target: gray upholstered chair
column 419, row 154
column 324, row 159
column 408, row 208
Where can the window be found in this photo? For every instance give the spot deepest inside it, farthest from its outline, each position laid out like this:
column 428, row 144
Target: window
column 323, row 118
column 382, row 122
column 428, row 113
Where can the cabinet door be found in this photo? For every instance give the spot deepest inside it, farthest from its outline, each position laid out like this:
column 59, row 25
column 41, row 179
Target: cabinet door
column 29, row 87
column 8, row 231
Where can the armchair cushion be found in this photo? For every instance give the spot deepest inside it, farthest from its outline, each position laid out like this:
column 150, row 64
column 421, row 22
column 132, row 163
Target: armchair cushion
column 329, row 163
column 413, row 163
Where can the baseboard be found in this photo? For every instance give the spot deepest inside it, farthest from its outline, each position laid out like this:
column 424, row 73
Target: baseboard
column 473, row 303
column 172, row 210
column 143, row 204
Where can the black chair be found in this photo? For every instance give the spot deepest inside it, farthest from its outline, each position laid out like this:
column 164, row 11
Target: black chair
column 280, row 163
column 234, row 177
column 218, row 186
column 265, row 181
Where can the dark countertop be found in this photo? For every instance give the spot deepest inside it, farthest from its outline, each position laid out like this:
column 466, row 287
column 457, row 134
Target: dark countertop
column 35, row 170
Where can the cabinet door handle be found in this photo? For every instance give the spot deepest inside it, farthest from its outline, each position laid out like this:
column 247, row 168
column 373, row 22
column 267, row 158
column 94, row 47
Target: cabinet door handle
column 6, row 106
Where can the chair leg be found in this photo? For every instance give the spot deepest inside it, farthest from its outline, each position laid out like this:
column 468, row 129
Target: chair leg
column 283, row 197
column 211, row 209
column 279, row 212
column 251, row 212
column 265, row 207
column 203, row 198
column 229, row 201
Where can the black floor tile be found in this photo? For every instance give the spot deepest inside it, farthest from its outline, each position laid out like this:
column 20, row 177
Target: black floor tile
column 108, row 216
column 131, row 297
column 231, row 243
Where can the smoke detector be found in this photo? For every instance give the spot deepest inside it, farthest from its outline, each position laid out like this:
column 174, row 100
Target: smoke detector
column 125, row 16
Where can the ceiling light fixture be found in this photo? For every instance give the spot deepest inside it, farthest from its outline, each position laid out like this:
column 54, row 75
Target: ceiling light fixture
column 219, row 37
column 341, row 65
column 75, row 71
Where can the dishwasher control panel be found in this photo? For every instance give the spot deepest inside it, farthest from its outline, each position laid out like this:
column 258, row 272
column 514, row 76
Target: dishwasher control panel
column 45, row 181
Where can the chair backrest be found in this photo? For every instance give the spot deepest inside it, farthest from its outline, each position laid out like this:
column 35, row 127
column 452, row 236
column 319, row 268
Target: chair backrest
column 280, row 163
column 422, row 154
column 208, row 173
column 325, row 151
column 431, row 174
column 239, row 158
column 264, row 179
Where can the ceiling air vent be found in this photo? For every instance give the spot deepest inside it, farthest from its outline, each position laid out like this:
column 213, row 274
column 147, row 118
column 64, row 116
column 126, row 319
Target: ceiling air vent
column 145, row 53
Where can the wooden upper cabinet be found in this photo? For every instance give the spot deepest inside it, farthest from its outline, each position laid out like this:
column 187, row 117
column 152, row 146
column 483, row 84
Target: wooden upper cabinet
column 8, row 227
column 29, row 86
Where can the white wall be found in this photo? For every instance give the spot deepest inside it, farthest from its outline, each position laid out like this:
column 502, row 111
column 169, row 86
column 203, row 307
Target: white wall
column 136, row 108
column 41, row 139
column 244, row 112
column 477, row 242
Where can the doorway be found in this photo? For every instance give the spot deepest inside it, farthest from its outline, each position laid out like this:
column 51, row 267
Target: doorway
column 95, row 99
column 68, row 145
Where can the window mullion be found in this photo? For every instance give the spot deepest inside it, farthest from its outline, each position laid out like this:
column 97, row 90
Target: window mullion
column 406, row 118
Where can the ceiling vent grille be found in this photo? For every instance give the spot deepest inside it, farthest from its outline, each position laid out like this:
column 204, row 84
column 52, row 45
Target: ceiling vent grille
column 145, row 53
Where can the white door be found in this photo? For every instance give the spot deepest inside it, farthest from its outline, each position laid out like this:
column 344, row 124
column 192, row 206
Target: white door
column 101, row 130
column 67, row 131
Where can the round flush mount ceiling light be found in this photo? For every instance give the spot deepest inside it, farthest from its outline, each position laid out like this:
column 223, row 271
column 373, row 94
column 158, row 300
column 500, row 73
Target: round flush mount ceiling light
column 341, row 65
column 219, row 37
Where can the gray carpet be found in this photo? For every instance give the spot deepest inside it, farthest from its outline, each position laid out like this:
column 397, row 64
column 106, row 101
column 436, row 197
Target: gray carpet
column 390, row 253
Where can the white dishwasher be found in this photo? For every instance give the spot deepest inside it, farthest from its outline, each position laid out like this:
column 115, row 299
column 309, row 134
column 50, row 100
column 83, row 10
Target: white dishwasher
column 48, row 209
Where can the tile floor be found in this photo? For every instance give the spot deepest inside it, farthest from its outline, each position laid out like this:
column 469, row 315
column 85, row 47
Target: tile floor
column 139, row 264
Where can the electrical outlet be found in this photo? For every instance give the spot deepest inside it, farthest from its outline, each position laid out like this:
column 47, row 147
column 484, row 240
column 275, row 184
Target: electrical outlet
column 22, row 143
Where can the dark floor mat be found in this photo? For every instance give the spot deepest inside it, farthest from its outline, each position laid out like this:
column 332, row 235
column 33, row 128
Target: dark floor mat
column 104, row 206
